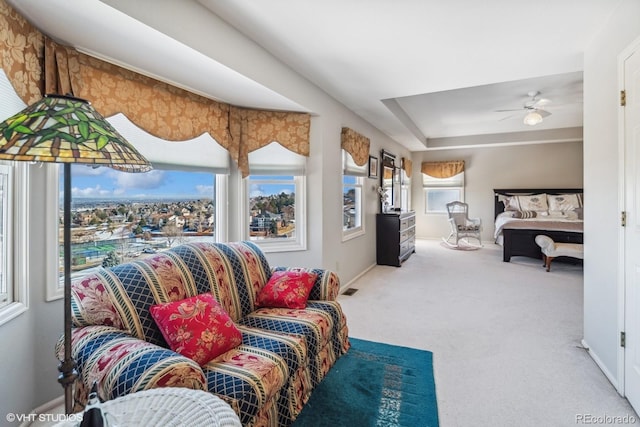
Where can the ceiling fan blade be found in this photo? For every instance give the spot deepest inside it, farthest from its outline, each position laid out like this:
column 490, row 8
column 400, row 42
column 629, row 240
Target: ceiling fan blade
column 508, row 117
column 513, row 109
column 543, row 113
column 541, row 103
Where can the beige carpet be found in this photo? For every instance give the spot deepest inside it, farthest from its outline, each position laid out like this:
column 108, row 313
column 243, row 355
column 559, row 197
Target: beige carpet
column 506, row 337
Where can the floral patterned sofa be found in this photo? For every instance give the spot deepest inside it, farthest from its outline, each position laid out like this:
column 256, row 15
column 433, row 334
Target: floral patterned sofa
column 267, row 378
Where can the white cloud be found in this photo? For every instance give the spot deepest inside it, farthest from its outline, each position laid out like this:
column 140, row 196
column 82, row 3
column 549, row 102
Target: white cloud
column 96, row 191
column 125, row 181
column 86, row 170
column 206, row 190
column 256, row 190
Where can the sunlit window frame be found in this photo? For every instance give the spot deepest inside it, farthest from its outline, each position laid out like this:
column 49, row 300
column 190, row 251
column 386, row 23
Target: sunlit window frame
column 280, row 245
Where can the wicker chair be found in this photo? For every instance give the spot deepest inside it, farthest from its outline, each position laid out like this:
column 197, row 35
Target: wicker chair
column 462, row 227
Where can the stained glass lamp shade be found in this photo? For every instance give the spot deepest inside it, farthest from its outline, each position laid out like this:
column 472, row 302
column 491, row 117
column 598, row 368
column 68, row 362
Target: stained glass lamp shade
column 64, row 129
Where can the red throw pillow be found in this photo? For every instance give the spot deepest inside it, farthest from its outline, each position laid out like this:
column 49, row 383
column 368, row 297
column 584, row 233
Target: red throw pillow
column 287, row 289
column 197, row 327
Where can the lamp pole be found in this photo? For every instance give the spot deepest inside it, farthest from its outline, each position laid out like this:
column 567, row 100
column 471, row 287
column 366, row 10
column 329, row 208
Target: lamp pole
column 67, row 367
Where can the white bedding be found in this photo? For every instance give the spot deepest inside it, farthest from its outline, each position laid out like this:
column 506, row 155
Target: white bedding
column 505, row 219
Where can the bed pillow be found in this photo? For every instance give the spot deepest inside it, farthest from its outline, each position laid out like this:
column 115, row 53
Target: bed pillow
column 535, row 202
column 197, row 327
column 564, row 202
column 510, row 203
column 524, row 214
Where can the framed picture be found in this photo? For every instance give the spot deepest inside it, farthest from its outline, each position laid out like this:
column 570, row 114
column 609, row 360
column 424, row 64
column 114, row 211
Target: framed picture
column 373, row 167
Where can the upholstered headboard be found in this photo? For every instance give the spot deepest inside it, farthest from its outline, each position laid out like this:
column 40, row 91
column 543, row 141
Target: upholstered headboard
column 499, row 206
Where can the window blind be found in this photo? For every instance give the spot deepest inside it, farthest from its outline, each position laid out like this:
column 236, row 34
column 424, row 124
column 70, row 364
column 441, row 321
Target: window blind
column 349, row 166
column 274, row 159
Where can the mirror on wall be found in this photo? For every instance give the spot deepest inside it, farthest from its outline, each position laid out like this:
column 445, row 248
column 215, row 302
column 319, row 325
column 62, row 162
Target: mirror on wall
column 389, row 181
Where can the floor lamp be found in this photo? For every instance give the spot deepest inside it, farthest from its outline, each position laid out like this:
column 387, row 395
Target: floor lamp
column 64, row 129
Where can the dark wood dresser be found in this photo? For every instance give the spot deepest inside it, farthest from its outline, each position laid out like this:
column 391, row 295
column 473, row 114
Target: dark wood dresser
column 395, row 237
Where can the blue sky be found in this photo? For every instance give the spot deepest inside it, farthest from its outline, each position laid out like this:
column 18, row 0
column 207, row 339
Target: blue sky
column 106, row 183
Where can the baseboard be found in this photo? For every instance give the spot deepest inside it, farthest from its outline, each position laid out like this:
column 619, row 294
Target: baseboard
column 612, row 378
column 348, row 285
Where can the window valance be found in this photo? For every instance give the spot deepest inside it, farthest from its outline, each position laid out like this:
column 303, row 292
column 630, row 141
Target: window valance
column 446, row 169
column 21, row 54
column 159, row 108
column 258, row 128
column 356, row 145
column 407, row 166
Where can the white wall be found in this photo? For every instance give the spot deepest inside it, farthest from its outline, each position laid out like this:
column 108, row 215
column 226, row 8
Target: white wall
column 557, row 165
column 602, row 181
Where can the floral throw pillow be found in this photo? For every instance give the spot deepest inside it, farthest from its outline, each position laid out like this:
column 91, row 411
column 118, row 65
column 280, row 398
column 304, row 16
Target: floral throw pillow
column 197, row 327
column 287, row 289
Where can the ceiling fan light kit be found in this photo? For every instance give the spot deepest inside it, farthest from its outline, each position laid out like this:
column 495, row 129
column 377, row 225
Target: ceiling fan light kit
column 532, row 118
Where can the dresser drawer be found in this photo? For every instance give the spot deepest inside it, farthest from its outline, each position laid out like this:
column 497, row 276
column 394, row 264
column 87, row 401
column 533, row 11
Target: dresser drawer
column 406, row 247
column 407, row 222
column 407, row 233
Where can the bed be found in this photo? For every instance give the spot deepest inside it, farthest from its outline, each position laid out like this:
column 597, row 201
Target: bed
column 522, row 214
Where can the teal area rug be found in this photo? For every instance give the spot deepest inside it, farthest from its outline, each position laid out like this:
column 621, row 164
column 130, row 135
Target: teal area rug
column 375, row 384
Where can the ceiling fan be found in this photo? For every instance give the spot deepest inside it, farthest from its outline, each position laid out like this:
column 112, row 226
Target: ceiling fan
column 533, row 107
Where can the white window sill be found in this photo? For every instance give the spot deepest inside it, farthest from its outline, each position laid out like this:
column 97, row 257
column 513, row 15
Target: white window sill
column 11, row 311
column 272, row 247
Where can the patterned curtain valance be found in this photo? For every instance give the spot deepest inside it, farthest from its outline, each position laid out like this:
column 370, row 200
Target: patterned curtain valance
column 443, row 169
column 160, row 109
column 407, row 166
column 21, row 54
column 355, row 144
column 258, row 128
column 171, row 113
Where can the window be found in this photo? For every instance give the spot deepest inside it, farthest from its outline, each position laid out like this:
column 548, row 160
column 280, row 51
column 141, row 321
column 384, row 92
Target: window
column 119, row 217
column 13, row 239
column 275, row 199
column 6, row 291
column 440, row 191
column 273, row 206
column 352, row 204
column 13, row 219
column 405, row 191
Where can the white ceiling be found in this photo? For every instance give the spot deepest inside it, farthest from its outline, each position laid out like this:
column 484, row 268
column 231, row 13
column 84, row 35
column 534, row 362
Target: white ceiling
column 428, row 73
